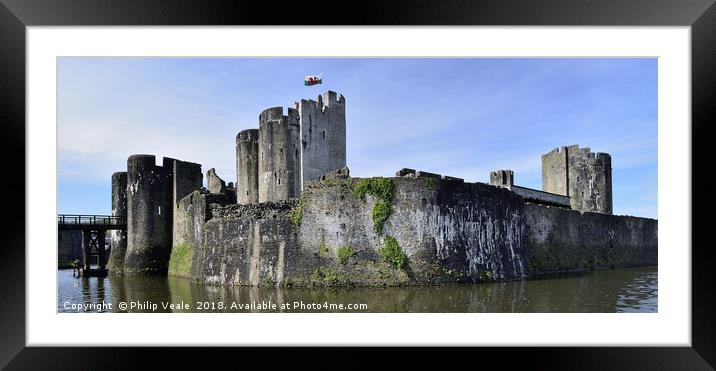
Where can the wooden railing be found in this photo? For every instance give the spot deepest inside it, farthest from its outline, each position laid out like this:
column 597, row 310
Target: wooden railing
column 67, row 221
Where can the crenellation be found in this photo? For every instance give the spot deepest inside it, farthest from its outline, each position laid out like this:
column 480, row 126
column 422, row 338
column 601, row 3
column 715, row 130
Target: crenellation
column 502, row 178
column 153, row 192
column 149, row 215
column 306, row 143
column 582, row 175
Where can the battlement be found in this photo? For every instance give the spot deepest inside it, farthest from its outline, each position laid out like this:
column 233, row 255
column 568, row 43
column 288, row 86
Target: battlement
column 141, row 162
column 502, row 178
column 248, row 135
column 602, row 155
column 152, row 192
column 306, row 143
column 580, row 174
column 324, row 101
column 271, row 114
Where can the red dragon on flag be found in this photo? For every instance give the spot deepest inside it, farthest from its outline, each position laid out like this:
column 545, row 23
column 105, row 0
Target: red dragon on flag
column 313, row 80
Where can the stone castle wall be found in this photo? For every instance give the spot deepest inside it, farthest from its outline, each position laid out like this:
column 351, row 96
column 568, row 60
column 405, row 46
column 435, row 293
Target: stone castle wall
column 149, row 215
column 450, row 231
column 584, row 176
column 560, row 240
column 152, row 194
column 118, row 238
column 247, row 166
column 323, row 135
column 278, row 168
column 274, row 162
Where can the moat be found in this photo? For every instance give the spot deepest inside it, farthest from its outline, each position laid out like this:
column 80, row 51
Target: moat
column 605, row 291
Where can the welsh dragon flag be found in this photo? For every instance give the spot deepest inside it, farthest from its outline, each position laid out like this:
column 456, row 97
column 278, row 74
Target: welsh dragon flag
column 313, row 80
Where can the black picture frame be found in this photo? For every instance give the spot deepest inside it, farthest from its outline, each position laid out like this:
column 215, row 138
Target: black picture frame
column 16, row 15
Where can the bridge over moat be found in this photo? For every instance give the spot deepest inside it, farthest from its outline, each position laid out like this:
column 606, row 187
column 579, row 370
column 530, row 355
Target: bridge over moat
column 94, row 229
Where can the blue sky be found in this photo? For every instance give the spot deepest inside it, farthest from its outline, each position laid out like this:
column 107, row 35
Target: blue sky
column 461, row 117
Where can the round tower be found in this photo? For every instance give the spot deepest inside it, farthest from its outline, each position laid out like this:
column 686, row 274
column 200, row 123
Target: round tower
column 247, row 167
column 276, row 169
column 118, row 239
column 149, row 216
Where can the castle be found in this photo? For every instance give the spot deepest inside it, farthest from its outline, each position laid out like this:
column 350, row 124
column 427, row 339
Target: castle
column 274, row 162
column 294, row 216
column 572, row 177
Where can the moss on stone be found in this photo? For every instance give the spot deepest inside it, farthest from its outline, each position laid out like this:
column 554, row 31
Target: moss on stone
column 266, row 282
column 323, row 250
column 484, row 276
column 297, row 213
column 180, row 259
column 392, row 254
column 380, row 213
column 379, row 187
column 344, row 252
column 328, row 277
column 554, row 256
column 382, row 190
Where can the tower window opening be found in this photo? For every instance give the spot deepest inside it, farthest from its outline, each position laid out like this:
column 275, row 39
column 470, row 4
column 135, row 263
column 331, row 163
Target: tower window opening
column 279, row 181
column 160, row 210
column 323, row 134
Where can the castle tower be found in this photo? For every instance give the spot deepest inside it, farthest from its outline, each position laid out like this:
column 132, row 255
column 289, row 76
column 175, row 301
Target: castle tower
column 323, row 135
column 187, row 178
column 584, row 176
column 118, row 238
column 502, row 178
column 152, row 193
column 279, row 156
column 149, row 215
column 247, row 166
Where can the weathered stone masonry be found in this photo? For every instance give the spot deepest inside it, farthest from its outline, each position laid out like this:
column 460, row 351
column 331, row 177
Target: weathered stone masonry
column 297, row 218
column 247, row 166
column 279, row 177
column 118, row 239
column 451, row 232
column 152, row 192
column 274, row 162
column 584, row 176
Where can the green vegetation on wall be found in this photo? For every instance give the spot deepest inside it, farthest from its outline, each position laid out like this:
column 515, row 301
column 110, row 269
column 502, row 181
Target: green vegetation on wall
column 180, row 259
column 327, row 276
column 297, row 213
column 382, row 190
column 323, row 250
column 344, row 252
column 392, row 254
column 380, row 213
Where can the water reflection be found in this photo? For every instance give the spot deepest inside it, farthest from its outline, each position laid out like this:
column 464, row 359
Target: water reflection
column 626, row 290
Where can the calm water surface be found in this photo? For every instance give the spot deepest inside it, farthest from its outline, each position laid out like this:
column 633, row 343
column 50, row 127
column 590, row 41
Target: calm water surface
column 621, row 290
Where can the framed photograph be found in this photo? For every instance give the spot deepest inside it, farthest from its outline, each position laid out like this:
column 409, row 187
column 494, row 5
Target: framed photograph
column 491, row 175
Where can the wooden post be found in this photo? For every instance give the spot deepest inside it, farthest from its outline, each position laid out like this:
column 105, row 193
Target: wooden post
column 102, row 261
column 86, row 240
